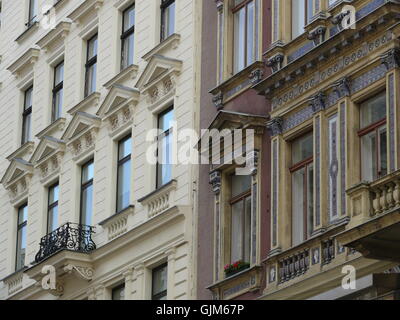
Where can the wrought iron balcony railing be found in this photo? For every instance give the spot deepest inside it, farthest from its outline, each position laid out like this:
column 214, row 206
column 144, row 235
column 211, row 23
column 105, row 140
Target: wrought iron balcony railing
column 70, row 236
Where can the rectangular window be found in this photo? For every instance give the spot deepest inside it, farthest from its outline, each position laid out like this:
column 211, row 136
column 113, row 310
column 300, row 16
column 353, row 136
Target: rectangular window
column 118, row 293
column 240, row 218
column 373, row 137
column 302, row 13
column 164, row 156
column 21, row 236
column 245, row 31
column 32, row 13
column 302, row 172
column 91, row 66
column 52, row 208
column 87, row 193
column 167, row 18
column 128, row 37
column 27, row 116
column 58, row 88
column 124, row 173
column 159, row 283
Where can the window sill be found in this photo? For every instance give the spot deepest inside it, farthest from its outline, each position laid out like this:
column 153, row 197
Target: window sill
column 130, row 73
column 34, row 26
column 171, row 42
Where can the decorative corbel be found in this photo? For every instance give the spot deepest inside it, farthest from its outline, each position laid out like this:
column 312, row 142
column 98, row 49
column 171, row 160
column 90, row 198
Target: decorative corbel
column 317, row 102
column 84, row 273
column 275, row 62
column 317, row 35
column 391, row 58
column 215, row 181
column 256, row 76
column 218, row 100
column 275, row 126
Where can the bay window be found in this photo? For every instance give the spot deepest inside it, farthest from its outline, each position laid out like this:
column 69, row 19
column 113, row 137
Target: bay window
column 91, row 66
column 164, row 151
column 58, row 88
column 124, row 173
column 128, row 37
column 373, row 137
column 244, row 34
column 87, row 193
column 167, row 18
column 52, row 208
column 302, row 173
column 240, row 218
column 159, row 283
column 27, row 116
column 21, row 236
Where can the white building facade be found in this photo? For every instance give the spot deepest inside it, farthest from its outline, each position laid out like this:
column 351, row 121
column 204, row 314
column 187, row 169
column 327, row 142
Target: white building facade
column 82, row 84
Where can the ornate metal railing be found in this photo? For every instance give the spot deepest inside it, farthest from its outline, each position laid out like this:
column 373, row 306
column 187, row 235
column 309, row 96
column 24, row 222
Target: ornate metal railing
column 294, row 265
column 70, row 236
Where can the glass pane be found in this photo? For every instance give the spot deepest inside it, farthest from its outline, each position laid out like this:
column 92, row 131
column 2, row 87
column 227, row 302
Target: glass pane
column 302, row 148
column 170, row 20
column 52, row 219
column 237, row 232
column 92, row 48
column 368, row 157
column 125, row 148
column 310, row 199
column 247, row 229
column 160, row 280
column 28, row 98
column 298, row 17
column 91, row 79
column 58, row 104
column 164, row 170
column 240, row 184
column 87, row 172
column 129, row 18
column 298, row 206
column 21, row 248
column 165, row 120
column 33, row 9
column 127, row 53
column 373, row 110
column 22, row 214
column 26, row 135
column 383, row 152
column 124, row 185
column 87, row 205
column 59, row 74
column 310, row 10
column 239, row 40
column 250, row 33
column 118, row 293
column 53, row 194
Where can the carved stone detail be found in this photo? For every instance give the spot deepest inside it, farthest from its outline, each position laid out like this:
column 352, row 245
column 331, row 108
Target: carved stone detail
column 342, row 87
column 85, row 273
column 318, row 102
column 256, row 76
column 391, row 59
column 215, row 181
column 275, row 62
column 275, row 126
column 218, row 101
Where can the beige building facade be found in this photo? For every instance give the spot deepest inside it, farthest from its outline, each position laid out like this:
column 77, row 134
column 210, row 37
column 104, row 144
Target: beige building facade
column 82, row 84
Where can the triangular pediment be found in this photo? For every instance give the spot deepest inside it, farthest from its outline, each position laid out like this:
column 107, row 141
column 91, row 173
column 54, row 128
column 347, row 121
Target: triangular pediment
column 117, row 97
column 46, row 147
column 81, row 122
column 17, row 168
column 157, row 68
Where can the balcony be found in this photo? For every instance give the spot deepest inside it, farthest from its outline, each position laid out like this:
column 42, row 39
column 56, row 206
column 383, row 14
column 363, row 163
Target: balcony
column 70, row 236
column 374, row 229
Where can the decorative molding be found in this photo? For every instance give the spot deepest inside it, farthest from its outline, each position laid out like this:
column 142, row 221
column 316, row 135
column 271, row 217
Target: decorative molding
column 84, row 273
column 275, row 126
column 91, row 100
column 391, row 58
column 60, row 32
column 256, row 76
column 117, row 224
column 26, row 61
column 318, row 102
column 83, row 10
column 275, row 62
column 172, row 42
column 218, row 100
column 216, row 181
column 129, row 73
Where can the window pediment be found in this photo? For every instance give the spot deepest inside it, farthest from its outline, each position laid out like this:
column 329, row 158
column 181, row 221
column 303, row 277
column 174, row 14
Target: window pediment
column 24, row 63
column 17, row 178
column 85, row 9
column 51, row 38
column 159, row 77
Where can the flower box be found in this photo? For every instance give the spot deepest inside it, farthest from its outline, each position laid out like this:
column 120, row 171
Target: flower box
column 236, row 267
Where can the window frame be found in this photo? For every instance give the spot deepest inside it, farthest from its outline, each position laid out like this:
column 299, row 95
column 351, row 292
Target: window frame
column 165, row 4
column 162, row 294
column 90, row 62
column 25, row 114
column 160, row 136
column 119, row 287
column 52, row 205
column 306, row 17
column 20, row 226
column 83, row 187
column 126, row 34
column 56, row 89
column 305, row 164
column 32, row 7
column 121, row 162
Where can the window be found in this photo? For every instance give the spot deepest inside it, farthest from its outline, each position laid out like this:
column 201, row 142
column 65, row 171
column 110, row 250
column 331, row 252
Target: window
column 91, row 66
column 87, row 193
column 52, row 208
column 245, row 31
column 240, row 218
column 373, row 137
column 32, row 13
column 58, row 88
column 159, row 283
column 27, row 116
column 118, row 293
column 128, row 37
column 164, row 156
column 124, row 173
column 21, row 236
column 302, row 173
column 302, row 12
column 0, row 12
column 167, row 18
